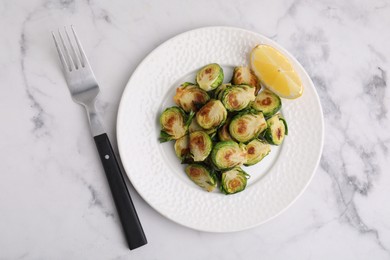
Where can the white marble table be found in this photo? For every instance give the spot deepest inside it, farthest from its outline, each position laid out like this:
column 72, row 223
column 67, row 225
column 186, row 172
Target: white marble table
column 54, row 199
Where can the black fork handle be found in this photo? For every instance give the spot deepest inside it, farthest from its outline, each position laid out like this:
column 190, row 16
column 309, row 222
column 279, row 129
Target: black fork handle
column 131, row 225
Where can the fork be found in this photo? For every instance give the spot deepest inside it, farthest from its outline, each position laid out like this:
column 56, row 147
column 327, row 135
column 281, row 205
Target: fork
column 84, row 88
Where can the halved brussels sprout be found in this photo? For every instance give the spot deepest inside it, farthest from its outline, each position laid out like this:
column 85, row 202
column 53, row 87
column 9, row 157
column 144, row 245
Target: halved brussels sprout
column 182, row 148
column 228, row 154
column 174, row 123
column 211, row 115
column 236, row 98
column 200, row 145
column 190, row 97
column 201, row 176
column 219, row 91
column 245, row 76
column 256, row 150
column 247, row 125
column 267, row 102
column 276, row 130
column 223, row 132
column 233, row 181
column 209, row 77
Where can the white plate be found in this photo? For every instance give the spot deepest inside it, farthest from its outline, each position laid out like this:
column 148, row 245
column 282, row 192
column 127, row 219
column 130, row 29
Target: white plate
column 157, row 174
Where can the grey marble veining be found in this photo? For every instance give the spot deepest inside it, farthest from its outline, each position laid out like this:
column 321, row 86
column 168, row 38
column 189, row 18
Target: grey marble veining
column 54, row 198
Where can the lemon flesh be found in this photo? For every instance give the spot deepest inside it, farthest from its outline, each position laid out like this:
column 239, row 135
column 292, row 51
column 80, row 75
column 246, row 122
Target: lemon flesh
column 275, row 72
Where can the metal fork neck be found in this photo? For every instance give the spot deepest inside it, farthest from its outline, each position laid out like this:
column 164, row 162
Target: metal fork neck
column 94, row 119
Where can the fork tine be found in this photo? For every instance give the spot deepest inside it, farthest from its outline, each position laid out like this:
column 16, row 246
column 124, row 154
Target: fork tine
column 83, row 59
column 62, row 58
column 75, row 56
column 67, row 54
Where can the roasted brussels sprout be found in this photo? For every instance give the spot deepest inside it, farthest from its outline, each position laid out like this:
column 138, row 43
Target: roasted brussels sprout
column 233, row 181
column 238, row 97
column 245, row 76
column 247, row 125
column 211, row 115
column 182, row 148
column 228, row 154
column 276, row 130
column 223, row 132
column 190, row 97
column 219, row 91
column 201, row 176
column 209, row 77
column 267, row 102
column 174, row 123
column 256, row 150
column 200, row 145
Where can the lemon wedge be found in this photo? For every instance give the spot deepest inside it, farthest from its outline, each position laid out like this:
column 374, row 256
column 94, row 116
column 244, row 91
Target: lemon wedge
column 275, row 72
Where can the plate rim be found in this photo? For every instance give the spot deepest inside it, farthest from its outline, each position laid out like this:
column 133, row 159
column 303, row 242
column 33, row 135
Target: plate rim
column 160, row 46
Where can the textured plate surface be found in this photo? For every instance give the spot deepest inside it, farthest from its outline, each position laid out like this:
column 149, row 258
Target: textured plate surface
column 157, row 174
